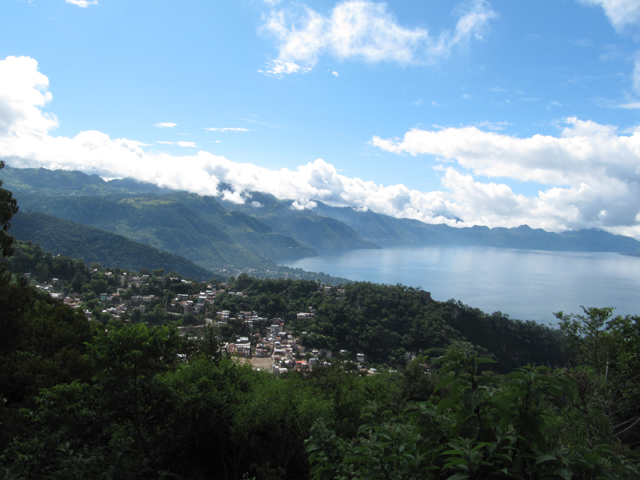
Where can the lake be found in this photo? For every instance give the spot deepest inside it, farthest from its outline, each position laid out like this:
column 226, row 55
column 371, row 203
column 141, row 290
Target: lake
column 525, row 284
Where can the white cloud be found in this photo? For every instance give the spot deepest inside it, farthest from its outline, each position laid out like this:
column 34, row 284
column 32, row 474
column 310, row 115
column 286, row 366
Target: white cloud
column 278, row 68
column 364, row 30
column 233, row 196
column 630, row 106
column 621, row 13
column 180, row 144
column 335, row 74
column 227, row 129
column 590, row 172
column 166, row 125
column 583, row 153
column 589, row 169
column 83, row 3
column 132, row 144
column 23, row 90
column 303, row 204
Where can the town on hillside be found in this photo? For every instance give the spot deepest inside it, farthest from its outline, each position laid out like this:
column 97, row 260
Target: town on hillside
column 265, row 343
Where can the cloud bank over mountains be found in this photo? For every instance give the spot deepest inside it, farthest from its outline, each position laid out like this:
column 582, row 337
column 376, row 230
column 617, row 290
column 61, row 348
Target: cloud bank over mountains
column 592, row 172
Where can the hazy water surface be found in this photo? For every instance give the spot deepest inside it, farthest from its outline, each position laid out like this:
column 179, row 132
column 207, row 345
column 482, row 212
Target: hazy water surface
column 526, row 284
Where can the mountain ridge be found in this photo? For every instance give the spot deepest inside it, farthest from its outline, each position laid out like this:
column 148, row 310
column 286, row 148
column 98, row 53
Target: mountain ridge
column 389, row 231
column 264, row 228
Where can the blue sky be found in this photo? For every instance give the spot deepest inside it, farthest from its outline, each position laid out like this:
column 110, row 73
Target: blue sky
column 500, row 113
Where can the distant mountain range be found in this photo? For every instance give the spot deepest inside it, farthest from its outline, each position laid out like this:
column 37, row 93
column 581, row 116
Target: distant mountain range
column 375, row 230
column 393, row 232
column 214, row 233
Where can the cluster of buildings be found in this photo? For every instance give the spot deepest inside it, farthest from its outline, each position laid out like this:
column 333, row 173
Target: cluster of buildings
column 266, row 344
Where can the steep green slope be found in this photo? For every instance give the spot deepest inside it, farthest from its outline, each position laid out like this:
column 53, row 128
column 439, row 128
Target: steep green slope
column 323, row 233
column 250, row 232
column 163, row 224
column 166, row 222
column 94, row 245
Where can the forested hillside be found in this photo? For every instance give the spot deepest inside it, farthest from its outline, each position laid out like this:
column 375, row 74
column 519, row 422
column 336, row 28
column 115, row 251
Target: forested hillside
column 63, row 237
column 323, row 233
column 167, row 223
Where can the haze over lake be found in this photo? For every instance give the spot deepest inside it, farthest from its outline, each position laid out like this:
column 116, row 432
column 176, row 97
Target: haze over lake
column 525, row 284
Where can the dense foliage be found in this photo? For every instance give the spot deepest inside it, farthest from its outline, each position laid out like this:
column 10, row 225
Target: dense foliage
column 147, row 412
column 8, row 208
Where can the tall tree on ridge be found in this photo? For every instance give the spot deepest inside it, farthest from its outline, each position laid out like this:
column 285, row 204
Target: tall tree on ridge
column 8, row 208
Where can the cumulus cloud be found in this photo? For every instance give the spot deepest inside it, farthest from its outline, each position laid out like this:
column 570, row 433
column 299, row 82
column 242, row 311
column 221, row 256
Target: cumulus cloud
column 621, row 13
column 166, row 125
column 83, row 3
column 591, row 172
column 585, row 152
column 364, row 30
column 23, row 91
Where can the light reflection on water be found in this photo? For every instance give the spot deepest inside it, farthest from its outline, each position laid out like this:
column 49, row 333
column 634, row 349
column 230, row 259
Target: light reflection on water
column 526, row 284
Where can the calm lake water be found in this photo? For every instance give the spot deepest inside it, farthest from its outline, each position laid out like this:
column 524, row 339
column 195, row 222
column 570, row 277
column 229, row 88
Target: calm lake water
column 526, row 284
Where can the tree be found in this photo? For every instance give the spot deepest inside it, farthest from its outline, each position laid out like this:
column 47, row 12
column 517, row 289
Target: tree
column 587, row 339
column 158, row 272
column 606, row 348
column 8, row 208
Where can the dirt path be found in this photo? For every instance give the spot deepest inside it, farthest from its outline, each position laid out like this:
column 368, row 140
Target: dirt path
column 258, row 362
